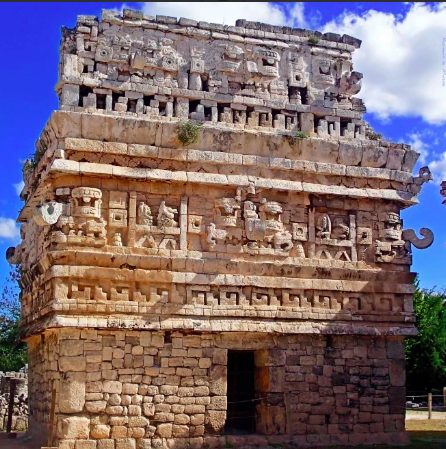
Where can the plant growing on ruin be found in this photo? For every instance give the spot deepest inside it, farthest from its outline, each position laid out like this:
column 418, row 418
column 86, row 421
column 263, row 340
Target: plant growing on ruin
column 32, row 162
column 188, row 132
column 293, row 139
column 313, row 39
column 372, row 135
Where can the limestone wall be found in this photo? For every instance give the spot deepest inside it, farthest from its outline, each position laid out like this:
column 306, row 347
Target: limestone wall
column 128, row 389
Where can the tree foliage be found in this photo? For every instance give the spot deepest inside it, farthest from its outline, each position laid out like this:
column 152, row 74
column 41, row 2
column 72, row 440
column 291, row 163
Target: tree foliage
column 13, row 353
column 426, row 353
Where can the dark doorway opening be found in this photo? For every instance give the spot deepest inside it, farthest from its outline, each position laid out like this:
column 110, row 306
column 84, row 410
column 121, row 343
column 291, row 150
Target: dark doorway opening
column 241, row 393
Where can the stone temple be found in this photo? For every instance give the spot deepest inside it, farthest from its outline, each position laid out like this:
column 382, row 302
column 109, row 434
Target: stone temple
column 212, row 250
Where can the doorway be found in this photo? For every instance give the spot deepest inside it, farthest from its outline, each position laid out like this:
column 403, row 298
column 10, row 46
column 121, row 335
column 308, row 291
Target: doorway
column 241, row 392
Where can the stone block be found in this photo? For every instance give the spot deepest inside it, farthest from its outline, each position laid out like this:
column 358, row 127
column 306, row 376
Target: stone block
column 110, row 386
column 373, row 156
column 73, row 427
column 215, row 421
column 218, row 382
column 126, row 443
column 395, row 348
column 74, row 364
column 106, row 444
column 164, row 430
column 100, row 431
column 85, row 444
column 72, row 393
column 397, row 373
column 95, row 406
column 350, row 153
column 270, row 357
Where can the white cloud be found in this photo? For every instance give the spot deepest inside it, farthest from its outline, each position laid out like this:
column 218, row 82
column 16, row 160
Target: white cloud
column 438, row 168
column 401, row 58
column 228, row 12
column 8, row 228
column 419, row 146
column 19, row 187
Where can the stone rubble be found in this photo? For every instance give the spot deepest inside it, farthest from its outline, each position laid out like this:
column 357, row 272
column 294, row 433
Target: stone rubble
column 19, row 421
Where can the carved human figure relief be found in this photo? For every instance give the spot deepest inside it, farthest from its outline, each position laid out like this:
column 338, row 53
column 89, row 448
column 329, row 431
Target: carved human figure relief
column 166, row 216
column 323, row 226
column 144, row 215
column 117, row 239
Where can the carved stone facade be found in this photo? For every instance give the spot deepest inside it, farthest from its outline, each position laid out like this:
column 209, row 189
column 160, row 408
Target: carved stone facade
column 146, row 263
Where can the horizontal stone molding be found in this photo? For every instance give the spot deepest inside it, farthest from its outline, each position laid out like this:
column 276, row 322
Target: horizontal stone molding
column 186, row 155
column 86, row 168
column 162, row 276
column 221, row 324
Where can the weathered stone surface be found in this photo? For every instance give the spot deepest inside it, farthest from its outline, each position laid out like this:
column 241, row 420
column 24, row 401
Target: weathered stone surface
column 72, row 393
column 217, row 384
column 215, row 421
column 100, row 431
column 205, row 190
column 164, row 430
column 73, row 428
column 72, row 364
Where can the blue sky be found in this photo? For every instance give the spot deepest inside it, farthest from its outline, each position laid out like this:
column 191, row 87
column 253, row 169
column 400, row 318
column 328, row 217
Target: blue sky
column 402, row 58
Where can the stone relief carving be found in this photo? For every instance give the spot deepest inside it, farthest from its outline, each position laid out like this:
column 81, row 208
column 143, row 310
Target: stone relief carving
column 340, row 229
column 350, row 84
column 297, row 76
column 217, row 66
column 78, row 221
column 213, row 235
column 335, row 236
column 166, row 216
column 144, row 216
column 258, row 227
column 334, row 301
column 391, row 245
column 410, row 236
column 323, row 71
column 424, row 175
column 323, row 226
column 266, row 227
column 156, row 230
column 231, row 59
column 48, row 213
column 395, row 244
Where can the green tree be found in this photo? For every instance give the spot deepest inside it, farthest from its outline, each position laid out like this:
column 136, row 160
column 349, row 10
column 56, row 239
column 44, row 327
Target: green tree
column 13, row 354
column 426, row 353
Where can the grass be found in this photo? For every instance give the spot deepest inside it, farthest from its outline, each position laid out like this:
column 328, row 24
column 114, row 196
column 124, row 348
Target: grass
column 427, row 439
column 426, row 425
